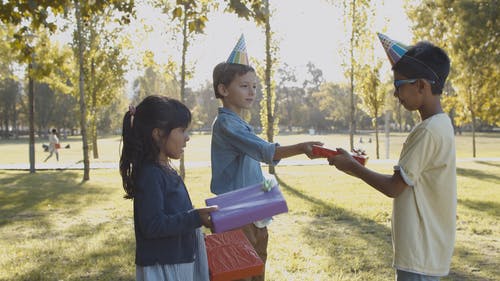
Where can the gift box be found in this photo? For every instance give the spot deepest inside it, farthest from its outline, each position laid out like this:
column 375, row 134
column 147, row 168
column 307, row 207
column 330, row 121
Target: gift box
column 326, row 152
column 246, row 205
column 231, row 256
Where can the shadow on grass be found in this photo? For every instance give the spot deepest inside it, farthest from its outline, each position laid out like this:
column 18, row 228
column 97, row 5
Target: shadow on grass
column 473, row 265
column 64, row 241
column 472, row 173
column 494, row 164
column 489, row 207
column 355, row 244
column 24, row 196
column 361, row 248
column 83, row 252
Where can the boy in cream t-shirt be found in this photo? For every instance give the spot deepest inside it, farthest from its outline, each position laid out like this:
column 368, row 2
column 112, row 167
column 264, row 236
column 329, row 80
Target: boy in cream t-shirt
column 423, row 184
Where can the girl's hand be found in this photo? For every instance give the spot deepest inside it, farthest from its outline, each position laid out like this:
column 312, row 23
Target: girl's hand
column 205, row 215
column 307, row 148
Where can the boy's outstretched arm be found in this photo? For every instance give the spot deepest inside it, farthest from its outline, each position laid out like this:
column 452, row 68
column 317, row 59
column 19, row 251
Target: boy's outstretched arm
column 296, row 149
column 390, row 185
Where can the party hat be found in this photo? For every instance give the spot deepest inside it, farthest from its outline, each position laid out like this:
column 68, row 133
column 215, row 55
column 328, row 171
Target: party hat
column 394, row 50
column 239, row 53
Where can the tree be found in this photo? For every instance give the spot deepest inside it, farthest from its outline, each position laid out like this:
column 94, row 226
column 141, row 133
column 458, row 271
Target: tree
column 372, row 96
column 291, row 97
column 311, row 85
column 111, row 116
column 105, row 66
column 333, row 101
column 9, row 86
column 29, row 16
column 83, row 11
column 204, row 107
column 157, row 79
column 191, row 16
column 357, row 23
column 47, row 63
column 259, row 11
column 9, row 96
column 469, row 31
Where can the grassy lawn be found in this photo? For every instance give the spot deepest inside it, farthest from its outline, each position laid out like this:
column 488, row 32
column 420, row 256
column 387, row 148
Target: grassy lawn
column 53, row 227
column 198, row 149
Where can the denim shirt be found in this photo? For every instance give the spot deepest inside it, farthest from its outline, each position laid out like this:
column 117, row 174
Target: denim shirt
column 237, row 153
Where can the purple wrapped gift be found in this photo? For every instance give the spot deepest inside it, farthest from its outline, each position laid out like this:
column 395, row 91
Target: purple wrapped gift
column 246, row 205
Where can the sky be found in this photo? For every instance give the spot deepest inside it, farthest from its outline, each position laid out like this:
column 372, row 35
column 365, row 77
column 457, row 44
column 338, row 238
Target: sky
column 307, row 31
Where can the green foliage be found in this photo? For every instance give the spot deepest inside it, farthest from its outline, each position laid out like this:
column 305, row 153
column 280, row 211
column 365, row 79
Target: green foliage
column 157, row 80
column 193, row 12
column 54, row 109
column 110, row 118
column 372, row 96
column 267, row 102
column 469, row 32
column 249, row 9
column 52, row 64
column 290, row 98
column 29, row 16
column 203, row 105
column 357, row 23
column 333, row 101
column 10, row 95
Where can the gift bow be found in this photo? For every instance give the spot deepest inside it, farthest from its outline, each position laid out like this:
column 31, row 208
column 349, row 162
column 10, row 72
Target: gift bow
column 268, row 184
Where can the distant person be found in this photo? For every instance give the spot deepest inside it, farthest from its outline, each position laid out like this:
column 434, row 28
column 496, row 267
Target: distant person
column 169, row 241
column 236, row 151
column 54, row 145
column 424, row 183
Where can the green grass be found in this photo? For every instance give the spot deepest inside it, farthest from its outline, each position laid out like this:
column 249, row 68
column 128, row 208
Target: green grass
column 198, row 148
column 53, row 227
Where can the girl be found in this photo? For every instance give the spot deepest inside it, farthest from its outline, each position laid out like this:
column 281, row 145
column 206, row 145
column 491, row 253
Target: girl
column 53, row 145
column 167, row 228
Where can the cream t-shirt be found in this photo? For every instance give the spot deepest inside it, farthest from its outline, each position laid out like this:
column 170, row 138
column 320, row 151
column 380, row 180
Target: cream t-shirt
column 424, row 215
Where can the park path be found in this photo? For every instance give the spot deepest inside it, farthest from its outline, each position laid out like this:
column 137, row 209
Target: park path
column 286, row 162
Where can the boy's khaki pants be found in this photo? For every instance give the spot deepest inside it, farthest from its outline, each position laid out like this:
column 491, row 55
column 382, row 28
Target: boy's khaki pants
column 258, row 237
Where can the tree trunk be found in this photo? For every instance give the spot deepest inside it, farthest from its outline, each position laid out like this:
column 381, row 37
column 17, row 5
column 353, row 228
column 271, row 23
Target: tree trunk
column 14, row 121
column 473, row 134
column 377, row 148
column 269, row 94
column 183, row 77
column 352, row 123
column 31, row 110
column 400, row 118
column 93, row 111
column 473, row 123
column 95, row 150
column 83, row 109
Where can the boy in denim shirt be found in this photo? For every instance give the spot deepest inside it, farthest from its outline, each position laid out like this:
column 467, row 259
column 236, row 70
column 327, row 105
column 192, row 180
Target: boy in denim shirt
column 423, row 185
column 236, row 151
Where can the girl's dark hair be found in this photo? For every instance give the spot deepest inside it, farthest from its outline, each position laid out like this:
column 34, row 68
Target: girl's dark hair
column 137, row 135
column 224, row 73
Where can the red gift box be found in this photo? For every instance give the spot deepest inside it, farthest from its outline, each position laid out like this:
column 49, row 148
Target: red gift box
column 326, row 152
column 231, row 256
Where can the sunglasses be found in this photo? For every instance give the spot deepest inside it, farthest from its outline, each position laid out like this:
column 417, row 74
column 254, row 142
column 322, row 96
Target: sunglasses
column 399, row 83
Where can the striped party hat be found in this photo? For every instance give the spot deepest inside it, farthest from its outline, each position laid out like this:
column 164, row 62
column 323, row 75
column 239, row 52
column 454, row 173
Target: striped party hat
column 394, row 50
column 239, row 53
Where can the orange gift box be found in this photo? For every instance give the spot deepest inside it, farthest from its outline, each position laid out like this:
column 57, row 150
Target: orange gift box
column 326, row 152
column 231, row 256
